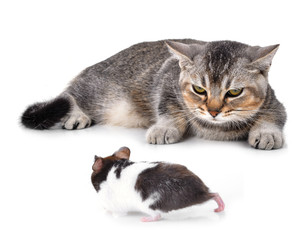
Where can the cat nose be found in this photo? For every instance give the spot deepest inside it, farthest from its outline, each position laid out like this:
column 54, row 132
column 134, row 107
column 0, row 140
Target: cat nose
column 213, row 113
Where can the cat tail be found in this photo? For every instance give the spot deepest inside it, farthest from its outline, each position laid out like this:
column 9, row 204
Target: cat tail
column 45, row 115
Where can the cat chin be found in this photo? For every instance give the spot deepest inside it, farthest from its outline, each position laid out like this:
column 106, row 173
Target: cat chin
column 214, row 121
column 222, row 123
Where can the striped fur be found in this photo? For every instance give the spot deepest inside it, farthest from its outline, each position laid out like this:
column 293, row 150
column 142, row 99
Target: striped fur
column 150, row 85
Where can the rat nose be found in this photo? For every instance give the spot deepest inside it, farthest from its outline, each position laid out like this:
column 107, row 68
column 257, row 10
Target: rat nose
column 213, row 113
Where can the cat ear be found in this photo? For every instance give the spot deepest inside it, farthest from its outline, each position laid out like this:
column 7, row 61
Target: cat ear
column 98, row 164
column 262, row 56
column 123, row 153
column 184, row 52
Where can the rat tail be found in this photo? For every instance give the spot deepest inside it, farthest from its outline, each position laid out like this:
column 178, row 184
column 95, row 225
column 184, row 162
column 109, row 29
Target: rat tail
column 216, row 197
column 45, row 115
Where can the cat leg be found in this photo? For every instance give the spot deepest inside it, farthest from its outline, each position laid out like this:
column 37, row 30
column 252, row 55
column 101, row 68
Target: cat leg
column 166, row 131
column 266, row 136
column 76, row 119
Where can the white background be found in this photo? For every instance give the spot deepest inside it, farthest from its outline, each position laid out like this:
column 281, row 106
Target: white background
column 45, row 175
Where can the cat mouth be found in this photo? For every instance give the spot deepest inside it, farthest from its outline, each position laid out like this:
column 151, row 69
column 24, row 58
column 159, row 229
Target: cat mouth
column 209, row 116
column 219, row 119
column 223, row 123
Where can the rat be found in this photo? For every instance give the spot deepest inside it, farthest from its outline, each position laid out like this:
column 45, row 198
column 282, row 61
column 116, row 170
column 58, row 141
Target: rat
column 153, row 188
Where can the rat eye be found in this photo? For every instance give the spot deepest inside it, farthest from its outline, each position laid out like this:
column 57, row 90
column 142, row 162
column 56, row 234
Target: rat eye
column 199, row 90
column 234, row 92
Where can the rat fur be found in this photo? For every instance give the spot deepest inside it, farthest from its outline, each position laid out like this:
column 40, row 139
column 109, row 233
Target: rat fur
column 149, row 187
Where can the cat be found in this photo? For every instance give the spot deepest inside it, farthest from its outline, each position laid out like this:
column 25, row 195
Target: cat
column 215, row 90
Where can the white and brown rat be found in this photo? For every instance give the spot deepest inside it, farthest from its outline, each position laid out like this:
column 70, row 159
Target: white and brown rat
column 149, row 187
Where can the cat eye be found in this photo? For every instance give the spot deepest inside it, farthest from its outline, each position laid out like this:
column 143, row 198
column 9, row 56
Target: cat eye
column 234, row 92
column 199, row 90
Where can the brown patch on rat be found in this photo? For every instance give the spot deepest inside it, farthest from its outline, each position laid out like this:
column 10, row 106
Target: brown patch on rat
column 122, row 153
column 102, row 166
column 176, row 185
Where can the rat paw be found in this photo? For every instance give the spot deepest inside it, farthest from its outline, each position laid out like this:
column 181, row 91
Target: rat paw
column 266, row 138
column 163, row 135
column 151, row 218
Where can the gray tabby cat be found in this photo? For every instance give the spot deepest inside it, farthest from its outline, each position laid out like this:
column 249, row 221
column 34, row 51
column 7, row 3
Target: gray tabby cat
column 215, row 90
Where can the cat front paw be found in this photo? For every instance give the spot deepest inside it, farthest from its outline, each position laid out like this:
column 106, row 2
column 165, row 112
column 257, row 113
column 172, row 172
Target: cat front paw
column 266, row 138
column 77, row 121
column 163, row 135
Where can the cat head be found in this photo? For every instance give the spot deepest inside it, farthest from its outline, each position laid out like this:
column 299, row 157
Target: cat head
column 223, row 81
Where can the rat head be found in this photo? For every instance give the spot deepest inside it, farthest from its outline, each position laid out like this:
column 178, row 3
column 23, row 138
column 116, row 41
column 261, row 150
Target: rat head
column 102, row 166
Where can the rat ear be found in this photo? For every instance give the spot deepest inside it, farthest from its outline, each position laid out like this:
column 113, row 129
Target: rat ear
column 98, row 164
column 184, row 52
column 123, row 153
column 262, row 56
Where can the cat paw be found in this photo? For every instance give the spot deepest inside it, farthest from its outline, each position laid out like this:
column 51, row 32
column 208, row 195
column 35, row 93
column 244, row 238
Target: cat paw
column 163, row 135
column 266, row 138
column 77, row 121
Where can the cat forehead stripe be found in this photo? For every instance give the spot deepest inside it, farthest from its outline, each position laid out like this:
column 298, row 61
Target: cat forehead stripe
column 203, row 81
column 207, row 80
column 226, row 82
